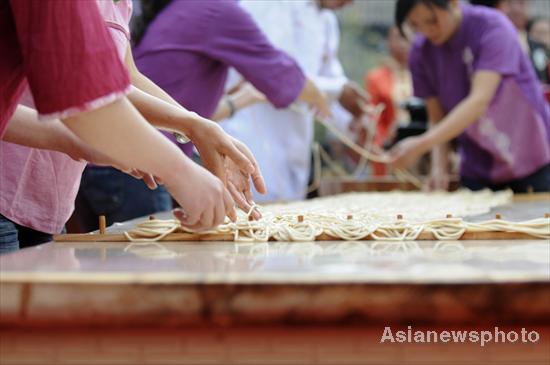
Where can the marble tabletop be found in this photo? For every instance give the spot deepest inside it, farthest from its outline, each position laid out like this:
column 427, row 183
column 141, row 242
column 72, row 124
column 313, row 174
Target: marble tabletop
column 226, row 282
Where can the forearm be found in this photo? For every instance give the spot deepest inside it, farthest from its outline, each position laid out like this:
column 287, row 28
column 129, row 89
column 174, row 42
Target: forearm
column 120, row 132
column 462, row 116
column 143, row 83
column 232, row 103
column 440, row 158
column 186, row 120
column 223, row 110
column 25, row 129
column 164, row 115
column 439, row 152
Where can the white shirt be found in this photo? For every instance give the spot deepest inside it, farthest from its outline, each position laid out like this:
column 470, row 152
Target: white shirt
column 281, row 138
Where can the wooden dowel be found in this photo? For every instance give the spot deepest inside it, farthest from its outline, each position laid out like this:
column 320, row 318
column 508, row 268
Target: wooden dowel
column 350, row 217
column 400, row 216
column 102, row 224
column 498, row 216
column 449, row 216
column 300, row 218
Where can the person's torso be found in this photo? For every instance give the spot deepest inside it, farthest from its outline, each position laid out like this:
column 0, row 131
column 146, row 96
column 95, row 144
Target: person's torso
column 493, row 147
column 173, row 53
column 39, row 186
column 281, row 139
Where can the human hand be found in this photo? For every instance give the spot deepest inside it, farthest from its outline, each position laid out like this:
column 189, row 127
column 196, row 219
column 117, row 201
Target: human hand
column 408, row 151
column 238, row 185
column 230, row 160
column 316, row 99
column 83, row 152
column 438, row 180
column 354, row 99
column 245, row 94
column 204, row 200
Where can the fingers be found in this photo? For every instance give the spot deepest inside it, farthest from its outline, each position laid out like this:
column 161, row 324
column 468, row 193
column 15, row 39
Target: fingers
column 241, row 156
column 255, row 214
column 217, row 167
column 248, row 195
column 362, row 94
column 257, row 177
column 259, row 182
column 187, row 219
column 229, row 206
column 239, row 198
column 323, row 110
column 149, row 180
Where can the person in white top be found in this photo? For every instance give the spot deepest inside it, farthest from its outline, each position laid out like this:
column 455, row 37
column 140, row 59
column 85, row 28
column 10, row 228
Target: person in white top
column 281, row 138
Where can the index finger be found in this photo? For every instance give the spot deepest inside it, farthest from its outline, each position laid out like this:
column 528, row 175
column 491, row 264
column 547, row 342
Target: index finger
column 238, row 154
column 229, row 206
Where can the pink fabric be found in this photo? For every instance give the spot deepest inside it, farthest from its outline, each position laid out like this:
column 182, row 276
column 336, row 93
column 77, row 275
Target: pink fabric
column 43, row 41
column 38, row 187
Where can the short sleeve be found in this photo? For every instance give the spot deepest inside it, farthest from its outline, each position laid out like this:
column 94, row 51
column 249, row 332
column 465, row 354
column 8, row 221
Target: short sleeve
column 499, row 49
column 69, row 58
column 423, row 85
column 236, row 40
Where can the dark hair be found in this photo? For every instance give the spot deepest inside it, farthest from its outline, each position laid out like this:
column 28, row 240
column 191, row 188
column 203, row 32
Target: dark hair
column 404, row 7
column 487, row 3
column 149, row 10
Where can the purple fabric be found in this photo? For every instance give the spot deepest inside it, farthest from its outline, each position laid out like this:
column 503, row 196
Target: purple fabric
column 190, row 45
column 487, row 40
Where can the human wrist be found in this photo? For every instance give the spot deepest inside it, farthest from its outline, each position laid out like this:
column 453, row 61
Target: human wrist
column 187, row 122
column 428, row 141
column 231, row 105
column 178, row 167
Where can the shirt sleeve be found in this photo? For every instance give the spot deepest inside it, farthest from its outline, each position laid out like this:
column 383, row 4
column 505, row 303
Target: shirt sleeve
column 69, row 58
column 499, row 48
column 331, row 78
column 423, row 85
column 236, row 40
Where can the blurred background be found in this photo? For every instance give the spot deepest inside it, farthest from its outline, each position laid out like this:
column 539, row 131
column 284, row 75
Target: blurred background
column 363, row 27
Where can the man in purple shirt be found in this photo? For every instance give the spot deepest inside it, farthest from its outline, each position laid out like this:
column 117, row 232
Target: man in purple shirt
column 479, row 86
column 188, row 47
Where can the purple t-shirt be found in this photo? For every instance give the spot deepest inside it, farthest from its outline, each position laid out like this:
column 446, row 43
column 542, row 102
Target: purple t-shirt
column 189, row 47
column 512, row 139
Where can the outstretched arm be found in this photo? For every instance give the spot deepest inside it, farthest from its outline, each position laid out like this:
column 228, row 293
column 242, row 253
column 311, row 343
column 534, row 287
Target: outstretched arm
column 484, row 86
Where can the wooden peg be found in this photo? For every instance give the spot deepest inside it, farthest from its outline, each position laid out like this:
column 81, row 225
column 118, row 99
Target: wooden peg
column 399, row 216
column 498, row 216
column 102, row 224
column 250, row 218
column 152, row 218
column 300, row 218
column 546, row 215
column 449, row 216
column 530, row 190
column 350, row 217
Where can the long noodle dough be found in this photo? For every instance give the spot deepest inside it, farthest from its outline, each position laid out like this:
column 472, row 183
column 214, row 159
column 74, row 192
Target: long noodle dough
column 354, row 216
